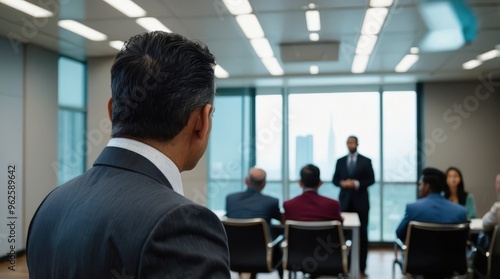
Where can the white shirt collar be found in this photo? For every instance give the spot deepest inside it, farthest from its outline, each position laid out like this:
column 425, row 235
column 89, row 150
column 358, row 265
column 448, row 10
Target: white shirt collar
column 162, row 162
column 353, row 156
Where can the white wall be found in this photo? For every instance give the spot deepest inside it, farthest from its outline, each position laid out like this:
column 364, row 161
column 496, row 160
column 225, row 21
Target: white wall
column 40, row 132
column 98, row 127
column 461, row 124
column 11, row 145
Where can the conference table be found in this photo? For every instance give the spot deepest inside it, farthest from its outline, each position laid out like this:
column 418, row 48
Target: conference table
column 476, row 225
column 351, row 222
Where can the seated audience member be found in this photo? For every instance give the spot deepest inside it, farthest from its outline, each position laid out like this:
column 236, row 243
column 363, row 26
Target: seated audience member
column 252, row 203
column 310, row 206
column 490, row 220
column 431, row 207
column 492, row 217
column 455, row 192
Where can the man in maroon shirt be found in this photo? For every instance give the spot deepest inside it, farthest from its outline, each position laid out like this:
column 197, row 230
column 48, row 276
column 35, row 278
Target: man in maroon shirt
column 310, row 206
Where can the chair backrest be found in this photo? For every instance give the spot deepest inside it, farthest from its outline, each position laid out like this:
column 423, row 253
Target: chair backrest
column 436, row 249
column 315, row 247
column 248, row 245
column 494, row 254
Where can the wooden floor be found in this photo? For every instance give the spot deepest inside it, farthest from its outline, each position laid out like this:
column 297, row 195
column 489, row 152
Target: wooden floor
column 379, row 266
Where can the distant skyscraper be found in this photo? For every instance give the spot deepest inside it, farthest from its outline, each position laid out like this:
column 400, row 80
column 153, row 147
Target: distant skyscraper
column 304, row 153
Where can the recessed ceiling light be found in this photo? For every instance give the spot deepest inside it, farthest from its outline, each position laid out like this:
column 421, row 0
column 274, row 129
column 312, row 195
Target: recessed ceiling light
column 488, row 55
column 406, row 63
column 471, row 64
column 414, row 50
column 28, row 8
column 366, row 44
column 116, row 44
column 238, row 7
column 127, row 7
column 313, row 20
column 373, row 21
column 152, row 24
column 82, row 30
column 312, row 6
column 314, row 37
column 359, row 63
column 381, row 3
column 220, row 72
column 314, row 70
column 250, row 26
column 273, row 66
column 262, row 47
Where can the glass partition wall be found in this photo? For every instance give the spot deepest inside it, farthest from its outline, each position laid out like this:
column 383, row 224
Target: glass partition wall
column 281, row 131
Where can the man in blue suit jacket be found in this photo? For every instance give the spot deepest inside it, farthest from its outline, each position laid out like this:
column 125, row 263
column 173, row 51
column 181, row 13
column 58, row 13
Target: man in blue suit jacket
column 252, row 203
column 432, row 206
column 127, row 217
column 354, row 174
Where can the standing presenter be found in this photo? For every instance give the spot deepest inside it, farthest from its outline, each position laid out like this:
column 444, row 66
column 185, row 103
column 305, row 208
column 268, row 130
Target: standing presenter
column 353, row 174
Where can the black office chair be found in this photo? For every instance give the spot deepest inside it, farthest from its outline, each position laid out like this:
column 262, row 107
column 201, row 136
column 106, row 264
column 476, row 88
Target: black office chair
column 316, row 248
column 487, row 261
column 433, row 250
column 250, row 247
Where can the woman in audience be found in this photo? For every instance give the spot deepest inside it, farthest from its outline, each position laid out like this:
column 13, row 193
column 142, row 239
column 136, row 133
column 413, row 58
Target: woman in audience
column 455, row 192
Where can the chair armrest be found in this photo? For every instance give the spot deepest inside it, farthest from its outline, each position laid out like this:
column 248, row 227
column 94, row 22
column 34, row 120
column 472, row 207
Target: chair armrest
column 276, row 241
column 347, row 245
column 399, row 244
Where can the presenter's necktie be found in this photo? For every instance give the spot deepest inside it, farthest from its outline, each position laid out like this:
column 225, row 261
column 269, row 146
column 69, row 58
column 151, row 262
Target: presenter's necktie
column 351, row 166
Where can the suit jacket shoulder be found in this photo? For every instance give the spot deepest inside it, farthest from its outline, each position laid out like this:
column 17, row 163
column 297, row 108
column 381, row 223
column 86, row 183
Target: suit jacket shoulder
column 108, row 221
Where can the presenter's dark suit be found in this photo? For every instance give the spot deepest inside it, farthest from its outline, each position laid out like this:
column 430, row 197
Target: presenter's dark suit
column 434, row 209
column 252, row 204
column 310, row 206
column 121, row 219
column 356, row 200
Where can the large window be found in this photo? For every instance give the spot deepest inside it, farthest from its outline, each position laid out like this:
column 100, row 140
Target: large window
column 72, row 114
column 231, row 146
column 292, row 130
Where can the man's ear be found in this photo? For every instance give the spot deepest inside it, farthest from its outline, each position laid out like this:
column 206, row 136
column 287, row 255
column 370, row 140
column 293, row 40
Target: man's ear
column 202, row 127
column 110, row 108
column 300, row 183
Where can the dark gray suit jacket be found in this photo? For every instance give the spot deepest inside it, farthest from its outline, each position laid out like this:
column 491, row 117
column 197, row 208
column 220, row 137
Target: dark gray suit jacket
column 252, row 204
column 121, row 219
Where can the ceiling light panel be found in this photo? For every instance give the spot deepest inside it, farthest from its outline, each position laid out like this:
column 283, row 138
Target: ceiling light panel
column 381, row 3
column 374, row 20
column 314, row 37
column 152, row 24
column 406, row 63
column 262, row 47
column 313, row 20
column 359, row 63
column 488, row 55
column 314, row 70
column 220, row 72
column 116, row 44
column 238, row 7
column 82, row 30
column 471, row 64
column 28, row 8
column 250, row 26
column 366, row 44
column 273, row 66
column 127, row 7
